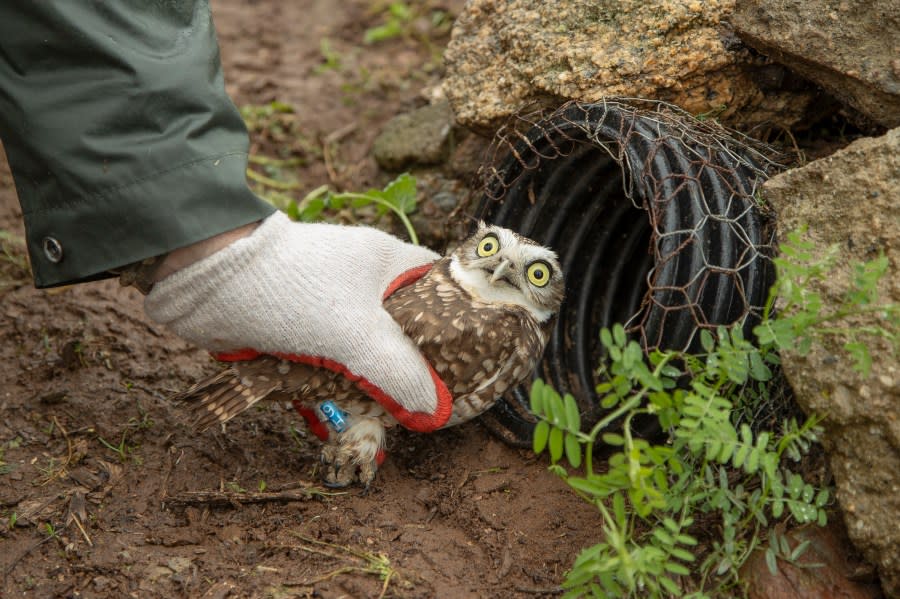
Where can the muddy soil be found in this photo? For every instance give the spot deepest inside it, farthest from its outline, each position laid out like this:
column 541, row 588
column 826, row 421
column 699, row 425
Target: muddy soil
column 106, row 492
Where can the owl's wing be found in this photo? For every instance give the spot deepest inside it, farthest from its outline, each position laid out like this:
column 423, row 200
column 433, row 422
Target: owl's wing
column 223, row 396
column 517, row 347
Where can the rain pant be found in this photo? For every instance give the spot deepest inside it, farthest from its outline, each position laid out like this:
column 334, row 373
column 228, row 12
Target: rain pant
column 121, row 139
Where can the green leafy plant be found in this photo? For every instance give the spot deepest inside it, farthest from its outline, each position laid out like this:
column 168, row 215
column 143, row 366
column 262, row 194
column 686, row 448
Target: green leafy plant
column 275, row 179
column 412, row 20
column 235, row 487
column 396, row 23
column 331, row 59
column 123, row 450
column 398, row 197
column 714, row 469
column 810, row 320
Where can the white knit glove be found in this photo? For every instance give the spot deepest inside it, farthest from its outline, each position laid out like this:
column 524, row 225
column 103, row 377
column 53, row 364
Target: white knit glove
column 306, row 290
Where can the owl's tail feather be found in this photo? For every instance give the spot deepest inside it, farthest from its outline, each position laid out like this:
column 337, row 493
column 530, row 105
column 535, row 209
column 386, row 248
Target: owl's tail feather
column 221, row 397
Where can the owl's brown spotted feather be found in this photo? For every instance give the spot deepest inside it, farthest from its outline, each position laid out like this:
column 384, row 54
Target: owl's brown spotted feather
column 474, row 346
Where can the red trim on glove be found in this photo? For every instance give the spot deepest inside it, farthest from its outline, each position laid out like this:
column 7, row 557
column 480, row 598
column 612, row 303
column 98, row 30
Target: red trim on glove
column 406, row 278
column 239, row 355
column 420, row 422
column 317, row 427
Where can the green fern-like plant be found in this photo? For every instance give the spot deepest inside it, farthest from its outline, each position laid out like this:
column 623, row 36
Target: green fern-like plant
column 712, row 465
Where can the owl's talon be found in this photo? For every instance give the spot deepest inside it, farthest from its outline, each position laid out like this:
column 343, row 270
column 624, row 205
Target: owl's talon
column 341, row 472
column 353, row 455
column 336, row 484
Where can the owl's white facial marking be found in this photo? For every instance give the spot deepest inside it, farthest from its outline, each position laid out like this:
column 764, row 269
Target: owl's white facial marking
column 497, row 265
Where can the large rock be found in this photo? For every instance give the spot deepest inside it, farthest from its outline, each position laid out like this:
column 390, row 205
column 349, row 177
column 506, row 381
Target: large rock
column 849, row 47
column 507, row 54
column 852, row 199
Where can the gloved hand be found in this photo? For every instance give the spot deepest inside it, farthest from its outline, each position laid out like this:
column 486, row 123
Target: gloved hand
column 310, row 290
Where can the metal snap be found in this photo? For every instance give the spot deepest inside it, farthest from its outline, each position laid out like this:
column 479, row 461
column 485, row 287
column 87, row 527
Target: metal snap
column 53, row 249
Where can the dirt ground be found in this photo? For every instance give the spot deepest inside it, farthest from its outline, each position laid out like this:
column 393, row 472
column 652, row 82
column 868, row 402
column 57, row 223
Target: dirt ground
column 101, row 481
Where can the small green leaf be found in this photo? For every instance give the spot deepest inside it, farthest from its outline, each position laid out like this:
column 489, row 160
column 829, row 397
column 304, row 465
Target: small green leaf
column 777, row 508
column 752, row 464
column 784, row 545
column 619, row 509
column 681, row 554
column 706, row 341
column 556, row 444
column 609, row 401
column 740, row 456
column 573, row 450
column 606, row 338
column 401, row 193
column 536, row 397
column 771, row 561
column 663, row 537
column 674, row 568
column 573, row 417
column 614, row 439
column 808, row 493
column 799, row 549
column 588, row 486
column 615, row 354
column 758, row 369
column 770, row 465
column 541, row 435
column 555, row 409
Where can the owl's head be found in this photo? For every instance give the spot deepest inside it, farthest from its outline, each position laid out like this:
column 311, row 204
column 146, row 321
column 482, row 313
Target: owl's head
column 499, row 265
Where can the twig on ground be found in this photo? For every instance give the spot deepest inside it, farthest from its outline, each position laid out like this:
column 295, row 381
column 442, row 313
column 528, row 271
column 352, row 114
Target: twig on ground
column 60, row 471
column 237, row 498
column 544, row 591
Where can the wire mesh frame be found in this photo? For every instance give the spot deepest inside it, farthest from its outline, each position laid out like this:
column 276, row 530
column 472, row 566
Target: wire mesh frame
column 692, row 251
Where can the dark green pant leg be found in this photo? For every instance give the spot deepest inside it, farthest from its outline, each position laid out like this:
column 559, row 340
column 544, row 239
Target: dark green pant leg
column 122, row 141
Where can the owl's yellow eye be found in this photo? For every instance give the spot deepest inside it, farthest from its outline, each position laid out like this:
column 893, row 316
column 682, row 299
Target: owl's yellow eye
column 538, row 273
column 488, row 246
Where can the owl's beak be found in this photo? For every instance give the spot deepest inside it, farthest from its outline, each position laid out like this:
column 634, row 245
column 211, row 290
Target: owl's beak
column 500, row 271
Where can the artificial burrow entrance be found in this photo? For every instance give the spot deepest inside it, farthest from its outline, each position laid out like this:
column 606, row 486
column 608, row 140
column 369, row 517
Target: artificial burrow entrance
column 655, row 219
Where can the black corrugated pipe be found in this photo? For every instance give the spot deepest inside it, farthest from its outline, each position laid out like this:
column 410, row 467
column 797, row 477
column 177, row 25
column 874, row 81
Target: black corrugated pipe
column 655, row 218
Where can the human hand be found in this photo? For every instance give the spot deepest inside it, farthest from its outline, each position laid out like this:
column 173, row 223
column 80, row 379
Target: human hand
column 305, row 290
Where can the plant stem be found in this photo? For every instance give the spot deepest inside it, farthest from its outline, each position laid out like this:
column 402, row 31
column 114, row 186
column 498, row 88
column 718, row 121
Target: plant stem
column 400, row 214
column 269, row 182
column 631, row 403
column 266, row 161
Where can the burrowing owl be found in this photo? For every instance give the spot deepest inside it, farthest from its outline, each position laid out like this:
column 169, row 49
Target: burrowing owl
column 481, row 317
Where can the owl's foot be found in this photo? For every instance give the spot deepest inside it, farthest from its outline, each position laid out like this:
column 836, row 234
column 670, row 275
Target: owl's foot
column 353, row 455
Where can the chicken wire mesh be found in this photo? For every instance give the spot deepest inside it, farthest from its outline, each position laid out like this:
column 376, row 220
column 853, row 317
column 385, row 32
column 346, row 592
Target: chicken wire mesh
column 657, row 221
